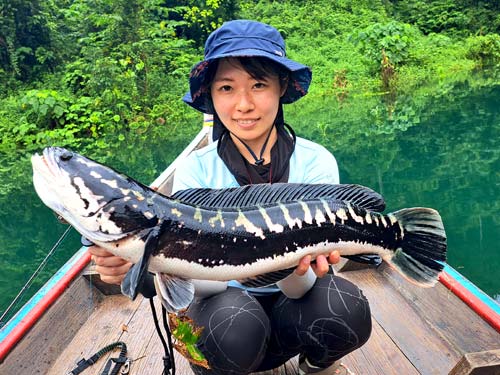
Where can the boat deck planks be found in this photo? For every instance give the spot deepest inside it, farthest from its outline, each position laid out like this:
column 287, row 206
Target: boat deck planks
column 379, row 356
column 432, row 327
column 32, row 355
column 411, row 333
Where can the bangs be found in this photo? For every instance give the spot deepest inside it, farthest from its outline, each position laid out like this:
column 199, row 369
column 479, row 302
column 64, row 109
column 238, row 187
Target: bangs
column 259, row 68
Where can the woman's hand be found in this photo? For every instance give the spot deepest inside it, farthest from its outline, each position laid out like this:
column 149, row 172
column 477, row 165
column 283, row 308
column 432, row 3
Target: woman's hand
column 320, row 267
column 111, row 268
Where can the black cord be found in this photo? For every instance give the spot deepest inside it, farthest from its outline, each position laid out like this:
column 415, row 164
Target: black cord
column 260, row 159
column 85, row 363
column 169, row 337
column 168, row 362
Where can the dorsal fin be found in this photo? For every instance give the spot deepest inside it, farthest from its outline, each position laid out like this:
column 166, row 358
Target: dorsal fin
column 262, row 194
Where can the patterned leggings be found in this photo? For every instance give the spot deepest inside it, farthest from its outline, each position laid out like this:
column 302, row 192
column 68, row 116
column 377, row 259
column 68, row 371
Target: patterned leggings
column 244, row 334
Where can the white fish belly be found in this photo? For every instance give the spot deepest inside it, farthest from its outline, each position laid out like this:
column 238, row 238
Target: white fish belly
column 223, row 272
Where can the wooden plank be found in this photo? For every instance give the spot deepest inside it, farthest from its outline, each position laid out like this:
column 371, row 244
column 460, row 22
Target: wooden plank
column 380, row 355
column 482, row 363
column 147, row 351
column 429, row 352
column 41, row 346
column 433, row 330
column 144, row 343
column 94, row 279
column 104, row 326
column 447, row 314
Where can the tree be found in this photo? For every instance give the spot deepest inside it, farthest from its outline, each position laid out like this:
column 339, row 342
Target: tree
column 25, row 41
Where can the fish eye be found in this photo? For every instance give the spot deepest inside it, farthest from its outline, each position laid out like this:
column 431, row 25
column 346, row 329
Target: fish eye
column 66, row 155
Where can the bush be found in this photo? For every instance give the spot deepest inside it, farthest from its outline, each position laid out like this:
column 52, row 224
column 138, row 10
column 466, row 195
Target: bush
column 392, row 40
column 485, row 49
column 45, row 117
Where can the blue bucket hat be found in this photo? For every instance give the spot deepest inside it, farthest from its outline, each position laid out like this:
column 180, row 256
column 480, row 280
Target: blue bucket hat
column 246, row 38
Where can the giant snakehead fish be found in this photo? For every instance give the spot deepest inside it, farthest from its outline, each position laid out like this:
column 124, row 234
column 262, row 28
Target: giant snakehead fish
column 255, row 234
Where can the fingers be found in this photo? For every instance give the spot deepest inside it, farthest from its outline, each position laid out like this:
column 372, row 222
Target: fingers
column 334, row 257
column 113, row 275
column 303, row 265
column 111, row 268
column 321, row 266
column 99, row 251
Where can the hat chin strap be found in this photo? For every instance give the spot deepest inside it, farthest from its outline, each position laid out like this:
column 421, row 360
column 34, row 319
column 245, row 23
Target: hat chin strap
column 260, row 159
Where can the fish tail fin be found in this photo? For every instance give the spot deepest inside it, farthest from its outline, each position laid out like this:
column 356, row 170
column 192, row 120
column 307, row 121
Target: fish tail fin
column 422, row 252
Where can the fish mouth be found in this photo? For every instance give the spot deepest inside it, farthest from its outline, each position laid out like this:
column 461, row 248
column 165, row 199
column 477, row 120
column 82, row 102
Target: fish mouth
column 47, row 175
column 46, row 162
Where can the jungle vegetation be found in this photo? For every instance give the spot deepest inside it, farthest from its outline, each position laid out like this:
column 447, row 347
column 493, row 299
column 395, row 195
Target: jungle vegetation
column 92, row 73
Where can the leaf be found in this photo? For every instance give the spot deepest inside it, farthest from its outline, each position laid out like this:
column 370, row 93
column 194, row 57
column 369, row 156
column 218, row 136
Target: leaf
column 139, row 66
column 185, row 334
column 50, row 101
column 58, row 110
column 43, row 109
column 195, row 353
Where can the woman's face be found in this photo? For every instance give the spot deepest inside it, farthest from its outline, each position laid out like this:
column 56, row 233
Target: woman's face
column 246, row 106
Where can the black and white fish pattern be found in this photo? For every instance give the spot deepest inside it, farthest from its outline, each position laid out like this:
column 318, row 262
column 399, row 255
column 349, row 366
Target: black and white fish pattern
column 255, row 234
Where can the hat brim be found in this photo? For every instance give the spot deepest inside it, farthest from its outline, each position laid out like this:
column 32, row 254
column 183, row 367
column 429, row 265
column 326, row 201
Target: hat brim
column 298, row 85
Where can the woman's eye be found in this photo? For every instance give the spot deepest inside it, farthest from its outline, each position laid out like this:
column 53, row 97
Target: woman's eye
column 225, row 88
column 259, row 85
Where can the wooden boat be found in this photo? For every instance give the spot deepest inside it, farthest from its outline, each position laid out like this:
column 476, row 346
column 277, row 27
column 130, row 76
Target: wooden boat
column 452, row 328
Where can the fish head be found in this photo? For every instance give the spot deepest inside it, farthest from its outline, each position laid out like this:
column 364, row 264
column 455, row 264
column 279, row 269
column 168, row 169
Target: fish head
column 99, row 202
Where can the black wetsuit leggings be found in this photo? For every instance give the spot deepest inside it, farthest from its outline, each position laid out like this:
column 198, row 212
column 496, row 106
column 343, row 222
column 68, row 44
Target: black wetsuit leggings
column 244, row 334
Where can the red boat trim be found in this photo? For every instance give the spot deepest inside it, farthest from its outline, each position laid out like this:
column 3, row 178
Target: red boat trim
column 482, row 304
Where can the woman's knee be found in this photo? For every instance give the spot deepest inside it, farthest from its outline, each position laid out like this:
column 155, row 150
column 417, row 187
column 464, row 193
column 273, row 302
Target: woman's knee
column 346, row 302
column 334, row 312
column 235, row 331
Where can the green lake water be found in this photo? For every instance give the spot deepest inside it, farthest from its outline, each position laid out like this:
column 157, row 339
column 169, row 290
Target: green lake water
column 437, row 149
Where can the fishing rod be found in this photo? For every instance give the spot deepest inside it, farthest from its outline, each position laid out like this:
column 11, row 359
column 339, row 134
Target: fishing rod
column 35, row 274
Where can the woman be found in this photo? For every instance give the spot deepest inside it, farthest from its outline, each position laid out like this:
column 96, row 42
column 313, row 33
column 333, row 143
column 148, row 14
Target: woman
column 243, row 81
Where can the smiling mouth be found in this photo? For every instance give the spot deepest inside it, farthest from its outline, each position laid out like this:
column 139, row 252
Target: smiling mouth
column 247, row 122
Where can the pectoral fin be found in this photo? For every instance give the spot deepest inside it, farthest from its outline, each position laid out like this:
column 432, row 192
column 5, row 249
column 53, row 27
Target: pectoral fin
column 175, row 293
column 132, row 283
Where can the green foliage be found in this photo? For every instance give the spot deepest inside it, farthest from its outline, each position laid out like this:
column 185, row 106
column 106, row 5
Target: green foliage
column 460, row 17
column 188, row 335
column 44, row 108
column 433, row 16
column 50, row 117
column 202, row 17
column 120, row 74
column 25, row 44
column 485, row 49
column 392, row 39
column 126, row 69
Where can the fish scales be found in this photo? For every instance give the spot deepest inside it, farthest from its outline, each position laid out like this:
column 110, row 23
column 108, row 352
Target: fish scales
column 229, row 242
